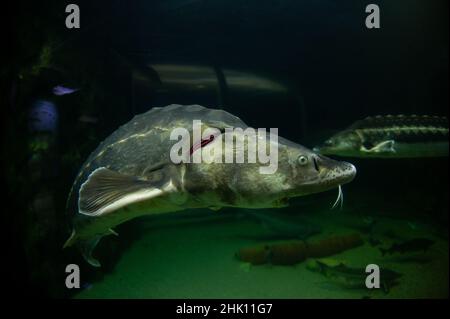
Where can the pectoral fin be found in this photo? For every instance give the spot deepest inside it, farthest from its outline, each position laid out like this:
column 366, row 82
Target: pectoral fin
column 383, row 147
column 106, row 190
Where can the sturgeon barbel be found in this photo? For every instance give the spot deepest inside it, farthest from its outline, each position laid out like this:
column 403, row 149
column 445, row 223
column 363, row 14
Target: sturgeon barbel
column 130, row 174
column 391, row 136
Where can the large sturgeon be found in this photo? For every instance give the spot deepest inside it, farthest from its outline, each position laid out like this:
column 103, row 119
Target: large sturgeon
column 131, row 174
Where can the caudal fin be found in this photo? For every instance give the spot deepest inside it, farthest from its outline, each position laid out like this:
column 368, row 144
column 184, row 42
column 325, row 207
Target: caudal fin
column 87, row 247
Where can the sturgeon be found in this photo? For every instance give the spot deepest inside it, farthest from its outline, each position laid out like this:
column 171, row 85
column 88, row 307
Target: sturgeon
column 131, row 174
column 391, row 136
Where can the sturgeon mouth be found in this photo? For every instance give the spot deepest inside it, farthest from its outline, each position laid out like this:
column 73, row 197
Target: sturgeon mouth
column 332, row 174
column 341, row 174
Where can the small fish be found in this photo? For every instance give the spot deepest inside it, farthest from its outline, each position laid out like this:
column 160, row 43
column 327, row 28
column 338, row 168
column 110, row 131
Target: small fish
column 413, row 245
column 62, row 90
column 391, row 136
column 352, row 277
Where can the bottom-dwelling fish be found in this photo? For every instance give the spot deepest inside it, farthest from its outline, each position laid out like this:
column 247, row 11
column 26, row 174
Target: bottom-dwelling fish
column 352, row 277
column 409, row 246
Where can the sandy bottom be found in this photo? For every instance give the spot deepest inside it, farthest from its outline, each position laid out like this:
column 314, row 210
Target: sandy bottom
column 197, row 260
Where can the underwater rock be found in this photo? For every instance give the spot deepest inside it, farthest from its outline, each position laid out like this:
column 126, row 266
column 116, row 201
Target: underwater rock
column 294, row 252
column 288, row 253
column 334, row 245
column 256, row 255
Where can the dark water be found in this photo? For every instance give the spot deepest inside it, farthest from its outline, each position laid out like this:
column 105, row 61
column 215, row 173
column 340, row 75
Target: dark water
column 309, row 68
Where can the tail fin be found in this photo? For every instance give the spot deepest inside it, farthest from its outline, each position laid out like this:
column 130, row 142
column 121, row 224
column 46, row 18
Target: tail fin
column 87, row 247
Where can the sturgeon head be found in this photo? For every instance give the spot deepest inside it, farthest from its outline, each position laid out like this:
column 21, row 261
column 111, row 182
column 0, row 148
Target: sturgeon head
column 345, row 143
column 299, row 171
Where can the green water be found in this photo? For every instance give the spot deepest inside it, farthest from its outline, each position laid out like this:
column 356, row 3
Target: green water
column 197, row 260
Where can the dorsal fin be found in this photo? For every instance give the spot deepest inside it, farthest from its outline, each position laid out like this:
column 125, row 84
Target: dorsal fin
column 379, row 121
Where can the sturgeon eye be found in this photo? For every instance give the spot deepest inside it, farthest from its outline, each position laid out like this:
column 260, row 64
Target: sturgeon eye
column 302, row 160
